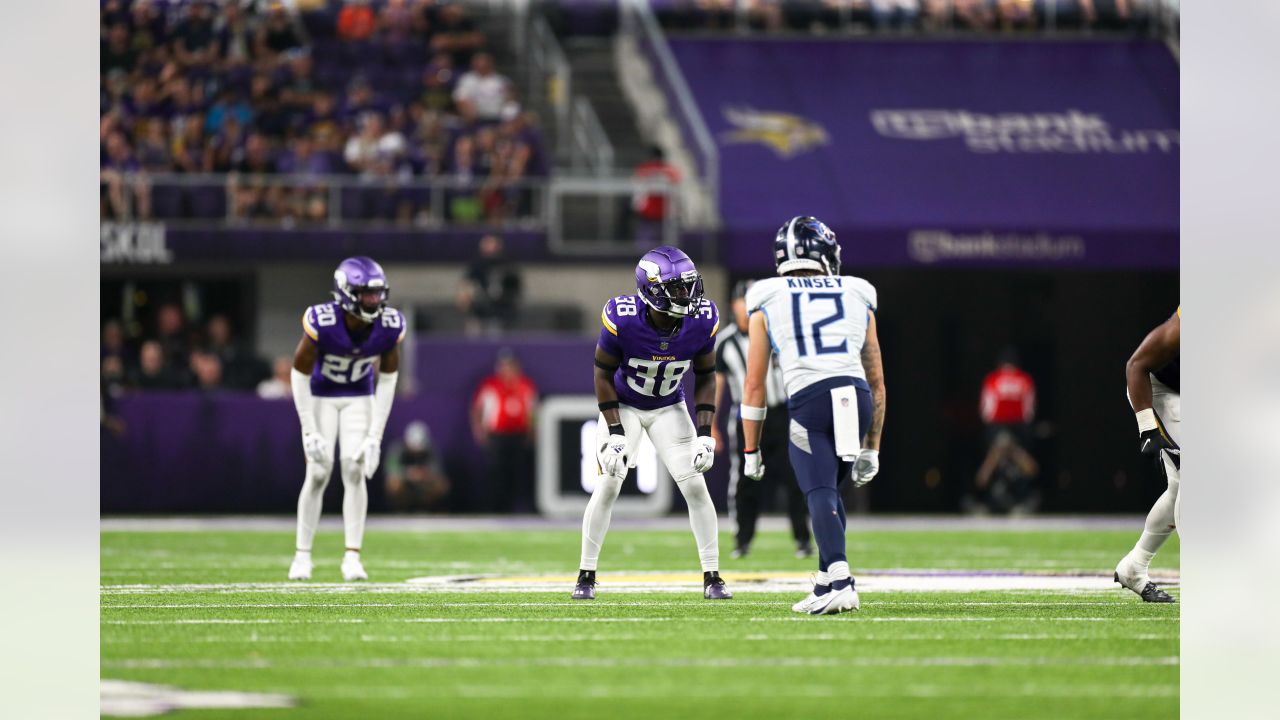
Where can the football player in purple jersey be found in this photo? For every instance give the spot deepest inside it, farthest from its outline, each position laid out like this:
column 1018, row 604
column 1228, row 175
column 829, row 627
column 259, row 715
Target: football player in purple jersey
column 339, row 399
column 648, row 342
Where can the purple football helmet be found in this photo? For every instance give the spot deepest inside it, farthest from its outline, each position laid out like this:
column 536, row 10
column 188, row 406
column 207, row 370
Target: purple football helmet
column 668, row 282
column 361, row 288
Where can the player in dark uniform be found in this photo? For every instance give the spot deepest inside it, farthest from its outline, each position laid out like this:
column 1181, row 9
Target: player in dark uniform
column 648, row 342
column 338, row 398
column 1152, row 378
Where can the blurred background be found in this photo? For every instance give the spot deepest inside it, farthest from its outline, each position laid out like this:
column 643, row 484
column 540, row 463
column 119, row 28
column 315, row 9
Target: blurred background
column 1004, row 171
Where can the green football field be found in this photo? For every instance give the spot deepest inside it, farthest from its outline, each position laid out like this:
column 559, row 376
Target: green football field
column 484, row 627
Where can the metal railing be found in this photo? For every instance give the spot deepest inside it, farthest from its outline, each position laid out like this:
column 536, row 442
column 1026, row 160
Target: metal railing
column 639, row 22
column 581, row 214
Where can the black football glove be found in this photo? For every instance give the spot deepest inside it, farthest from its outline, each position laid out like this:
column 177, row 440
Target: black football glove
column 1152, row 437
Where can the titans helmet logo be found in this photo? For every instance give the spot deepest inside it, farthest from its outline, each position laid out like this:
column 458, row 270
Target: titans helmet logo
column 788, row 135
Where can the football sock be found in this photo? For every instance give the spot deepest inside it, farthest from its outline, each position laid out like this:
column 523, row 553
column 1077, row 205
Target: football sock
column 351, row 555
column 839, row 572
column 828, row 530
column 1160, row 525
column 702, row 518
column 355, row 503
column 595, row 521
column 310, row 500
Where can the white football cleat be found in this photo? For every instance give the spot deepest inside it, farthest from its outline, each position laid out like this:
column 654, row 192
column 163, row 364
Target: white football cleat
column 301, row 568
column 352, row 568
column 836, row 601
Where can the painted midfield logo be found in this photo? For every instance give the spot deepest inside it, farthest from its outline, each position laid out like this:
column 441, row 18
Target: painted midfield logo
column 787, row 134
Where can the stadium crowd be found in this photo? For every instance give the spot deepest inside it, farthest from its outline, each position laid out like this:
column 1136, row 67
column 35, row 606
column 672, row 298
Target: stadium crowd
column 925, row 15
column 281, row 98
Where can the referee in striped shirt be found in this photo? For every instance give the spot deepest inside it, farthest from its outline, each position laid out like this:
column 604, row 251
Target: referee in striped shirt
column 746, row 495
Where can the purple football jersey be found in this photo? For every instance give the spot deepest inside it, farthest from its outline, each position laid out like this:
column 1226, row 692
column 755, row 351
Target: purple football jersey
column 653, row 364
column 345, row 363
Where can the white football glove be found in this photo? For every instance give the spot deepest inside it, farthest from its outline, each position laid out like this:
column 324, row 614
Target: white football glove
column 866, row 467
column 613, row 455
column 368, row 455
column 753, row 468
column 314, row 447
column 704, row 453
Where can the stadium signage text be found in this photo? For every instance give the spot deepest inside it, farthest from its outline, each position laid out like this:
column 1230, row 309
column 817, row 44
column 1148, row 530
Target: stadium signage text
column 142, row 243
column 930, row 246
column 1067, row 132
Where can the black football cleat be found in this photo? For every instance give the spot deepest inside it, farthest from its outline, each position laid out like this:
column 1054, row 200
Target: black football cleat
column 1151, row 592
column 713, row 587
column 586, row 587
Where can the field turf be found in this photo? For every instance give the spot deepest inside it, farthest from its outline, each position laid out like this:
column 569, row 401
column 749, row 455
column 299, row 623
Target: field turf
column 209, row 610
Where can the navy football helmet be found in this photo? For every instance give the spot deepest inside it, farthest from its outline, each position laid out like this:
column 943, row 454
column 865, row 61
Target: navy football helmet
column 360, row 287
column 806, row 243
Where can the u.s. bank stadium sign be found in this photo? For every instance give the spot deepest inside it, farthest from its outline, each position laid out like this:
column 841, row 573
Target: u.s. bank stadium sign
column 1068, row 132
column 142, row 243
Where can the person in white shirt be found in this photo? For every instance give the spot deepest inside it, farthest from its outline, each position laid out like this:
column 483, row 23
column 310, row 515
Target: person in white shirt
column 482, row 93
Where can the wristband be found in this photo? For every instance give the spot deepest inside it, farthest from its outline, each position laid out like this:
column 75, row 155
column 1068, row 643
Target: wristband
column 617, row 429
column 1146, row 420
column 704, row 430
column 753, row 413
column 609, row 405
column 750, row 452
column 708, row 407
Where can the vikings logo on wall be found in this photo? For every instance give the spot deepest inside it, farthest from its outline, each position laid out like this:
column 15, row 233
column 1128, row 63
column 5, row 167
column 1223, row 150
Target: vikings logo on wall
column 787, row 134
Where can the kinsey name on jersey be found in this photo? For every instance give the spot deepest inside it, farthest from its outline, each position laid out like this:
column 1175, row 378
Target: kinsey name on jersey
column 813, row 282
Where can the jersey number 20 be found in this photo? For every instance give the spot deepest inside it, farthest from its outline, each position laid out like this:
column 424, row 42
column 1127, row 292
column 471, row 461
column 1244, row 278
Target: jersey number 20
column 648, row 373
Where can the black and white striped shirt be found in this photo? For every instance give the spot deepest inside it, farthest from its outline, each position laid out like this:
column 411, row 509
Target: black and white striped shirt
column 731, row 359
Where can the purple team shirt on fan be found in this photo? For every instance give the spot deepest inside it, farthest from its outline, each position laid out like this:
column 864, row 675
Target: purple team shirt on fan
column 345, row 364
column 652, row 365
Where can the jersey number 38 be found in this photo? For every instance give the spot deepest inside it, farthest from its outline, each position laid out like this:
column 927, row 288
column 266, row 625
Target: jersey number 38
column 650, row 373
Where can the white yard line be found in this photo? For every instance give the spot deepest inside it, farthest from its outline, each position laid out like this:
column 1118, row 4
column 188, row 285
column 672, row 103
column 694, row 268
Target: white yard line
column 571, row 638
column 668, row 662
column 853, row 617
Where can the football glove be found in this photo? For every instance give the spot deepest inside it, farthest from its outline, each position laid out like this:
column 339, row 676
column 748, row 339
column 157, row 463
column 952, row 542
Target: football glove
column 1152, row 437
column 704, row 453
column 613, row 455
column 314, row 447
column 368, row 455
column 866, row 467
column 753, row 467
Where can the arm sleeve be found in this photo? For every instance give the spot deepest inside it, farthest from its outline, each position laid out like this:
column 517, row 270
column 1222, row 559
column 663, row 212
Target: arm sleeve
column 383, row 395
column 303, row 400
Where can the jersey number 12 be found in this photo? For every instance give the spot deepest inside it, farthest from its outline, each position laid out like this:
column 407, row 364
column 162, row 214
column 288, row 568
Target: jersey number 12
column 798, row 326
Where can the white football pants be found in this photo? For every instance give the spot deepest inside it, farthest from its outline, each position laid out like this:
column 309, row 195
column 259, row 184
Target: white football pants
column 672, row 433
column 346, row 421
column 1162, row 520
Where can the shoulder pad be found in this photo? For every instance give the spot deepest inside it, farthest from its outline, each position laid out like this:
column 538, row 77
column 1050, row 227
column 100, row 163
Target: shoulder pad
column 761, row 291
column 616, row 310
column 864, row 289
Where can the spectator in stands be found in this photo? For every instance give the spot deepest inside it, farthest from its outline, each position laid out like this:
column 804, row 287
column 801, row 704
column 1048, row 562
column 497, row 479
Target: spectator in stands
column 235, row 35
column 895, row 14
column 279, row 385
column 375, row 151
column 307, row 198
column 323, row 125
column 249, row 187
column 356, row 21
column 490, row 290
column 153, row 373
column 195, row 45
column 149, row 27
column 974, row 14
column 1004, row 482
column 649, row 209
column 297, row 82
column 154, row 153
column 190, row 151
column 438, row 84
column 206, row 368
column 482, row 94
column 117, row 53
column 454, row 33
column 241, row 369
column 1015, row 14
column 119, row 176
column 171, row 333
column 415, row 476
column 360, row 99
column 462, row 200
column 280, row 32
column 502, row 415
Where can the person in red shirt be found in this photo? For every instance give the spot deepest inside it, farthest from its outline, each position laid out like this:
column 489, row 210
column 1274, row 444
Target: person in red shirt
column 650, row 209
column 1005, row 480
column 502, row 422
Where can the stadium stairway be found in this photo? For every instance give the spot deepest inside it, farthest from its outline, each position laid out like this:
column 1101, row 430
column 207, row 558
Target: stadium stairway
column 591, row 59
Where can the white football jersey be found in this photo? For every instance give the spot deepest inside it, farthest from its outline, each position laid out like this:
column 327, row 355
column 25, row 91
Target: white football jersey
column 817, row 325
